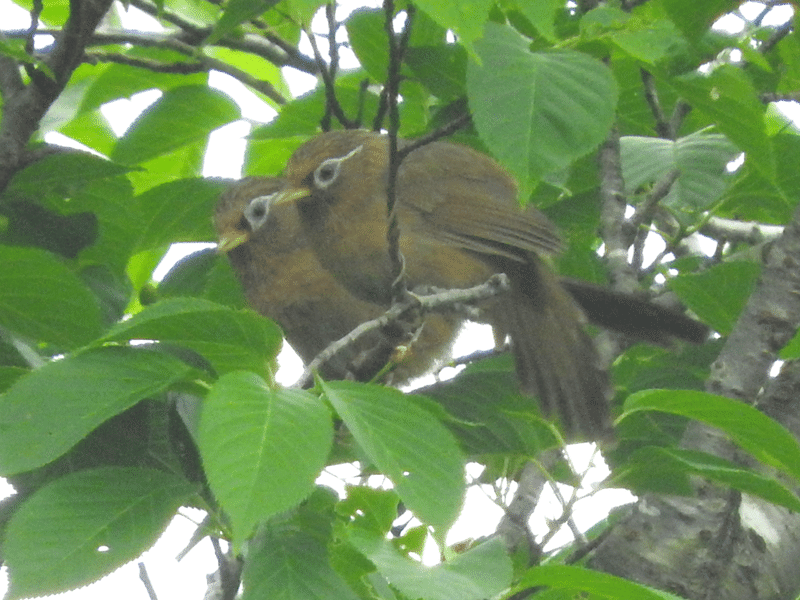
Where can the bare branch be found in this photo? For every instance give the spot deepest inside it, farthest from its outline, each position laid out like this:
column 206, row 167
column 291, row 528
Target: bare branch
column 651, row 95
column 748, row 232
column 615, row 235
column 148, row 585
column 24, row 109
column 437, row 302
column 397, row 48
column 203, row 64
column 332, row 105
column 444, row 131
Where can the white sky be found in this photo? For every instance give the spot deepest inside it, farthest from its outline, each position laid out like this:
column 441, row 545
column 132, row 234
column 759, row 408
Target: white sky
column 224, row 158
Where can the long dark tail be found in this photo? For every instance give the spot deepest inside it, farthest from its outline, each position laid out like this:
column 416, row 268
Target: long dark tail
column 632, row 316
column 555, row 359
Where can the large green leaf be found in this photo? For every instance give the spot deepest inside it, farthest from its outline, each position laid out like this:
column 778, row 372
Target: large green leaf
column 465, row 17
column 538, row 111
column 729, row 98
column 406, row 443
column 719, row 294
column 41, row 298
column 289, row 560
column 578, row 580
column 667, row 471
column 49, row 410
column 694, row 18
column 482, row 572
column 85, row 525
column 262, row 447
column 751, row 429
column 178, row 211
column 229, row 339
column 369, row 41
column 700, row 158
column 182, row 116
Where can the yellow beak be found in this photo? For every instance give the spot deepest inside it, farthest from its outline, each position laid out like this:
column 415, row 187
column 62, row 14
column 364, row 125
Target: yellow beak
column 291, row 194
column 230, row 239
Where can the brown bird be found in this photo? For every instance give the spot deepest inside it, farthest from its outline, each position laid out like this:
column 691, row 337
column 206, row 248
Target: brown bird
column 459, row 223
column 283, row 280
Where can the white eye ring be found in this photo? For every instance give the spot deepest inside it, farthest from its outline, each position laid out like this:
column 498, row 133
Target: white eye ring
column 257, row 211
column 328, row 171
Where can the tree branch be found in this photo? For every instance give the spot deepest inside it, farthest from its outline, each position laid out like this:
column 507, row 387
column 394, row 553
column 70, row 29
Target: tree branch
column 438, row 302
column 203, row 64
column 24, row 109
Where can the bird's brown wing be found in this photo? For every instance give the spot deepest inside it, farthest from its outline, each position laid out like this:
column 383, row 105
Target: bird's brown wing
column 470, row 202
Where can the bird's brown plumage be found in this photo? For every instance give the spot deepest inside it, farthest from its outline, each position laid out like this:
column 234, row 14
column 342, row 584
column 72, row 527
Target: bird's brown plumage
column 284, row 281
column 460, row 223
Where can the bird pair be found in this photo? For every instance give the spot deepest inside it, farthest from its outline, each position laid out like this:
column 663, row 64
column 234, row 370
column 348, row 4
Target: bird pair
column 311, row 251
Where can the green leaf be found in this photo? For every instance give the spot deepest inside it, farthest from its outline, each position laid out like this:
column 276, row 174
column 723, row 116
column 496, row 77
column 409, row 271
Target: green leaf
column 694, row 18
column 650, row 43
column 85, row 525
column 728, row 97
column 491, row 414
column 700, row 158
column 407, row 444
column 290, row 563
column 41, row 298
column 237, row 11
column 369, row 508
column 482, row 572
column 229, row 339
column 76, row 183
column 262, row 448
column 580, row 579
column 49, row 410
column 185, row 162
column 179, row 118
column 542, row 15
column 538, row 111
column 64, row 173
column 117, row 81
column 792, row 349
column 178, row 211
column 302, row 10
column 751, row 429
column 666, row 471
column 369, row 41
column 465, row 17
column 719, row 294
column 441, row 69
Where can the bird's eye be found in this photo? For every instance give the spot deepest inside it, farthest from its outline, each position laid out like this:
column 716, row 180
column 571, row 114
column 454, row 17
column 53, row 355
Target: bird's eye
column 327, row 172
column 257, row 212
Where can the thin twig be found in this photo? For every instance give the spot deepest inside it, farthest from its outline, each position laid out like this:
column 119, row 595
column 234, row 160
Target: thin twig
column 203, row 64
column 397, row 49
column 333, row 54
column 36, row 12
column 651, row 95
column 332, row 105
column 679, row 113
column 779, row 33
column 163, row 13
column 260, row 46
column 644, row 213
column 443, row 131
column 438, row 302
column 148, row 585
